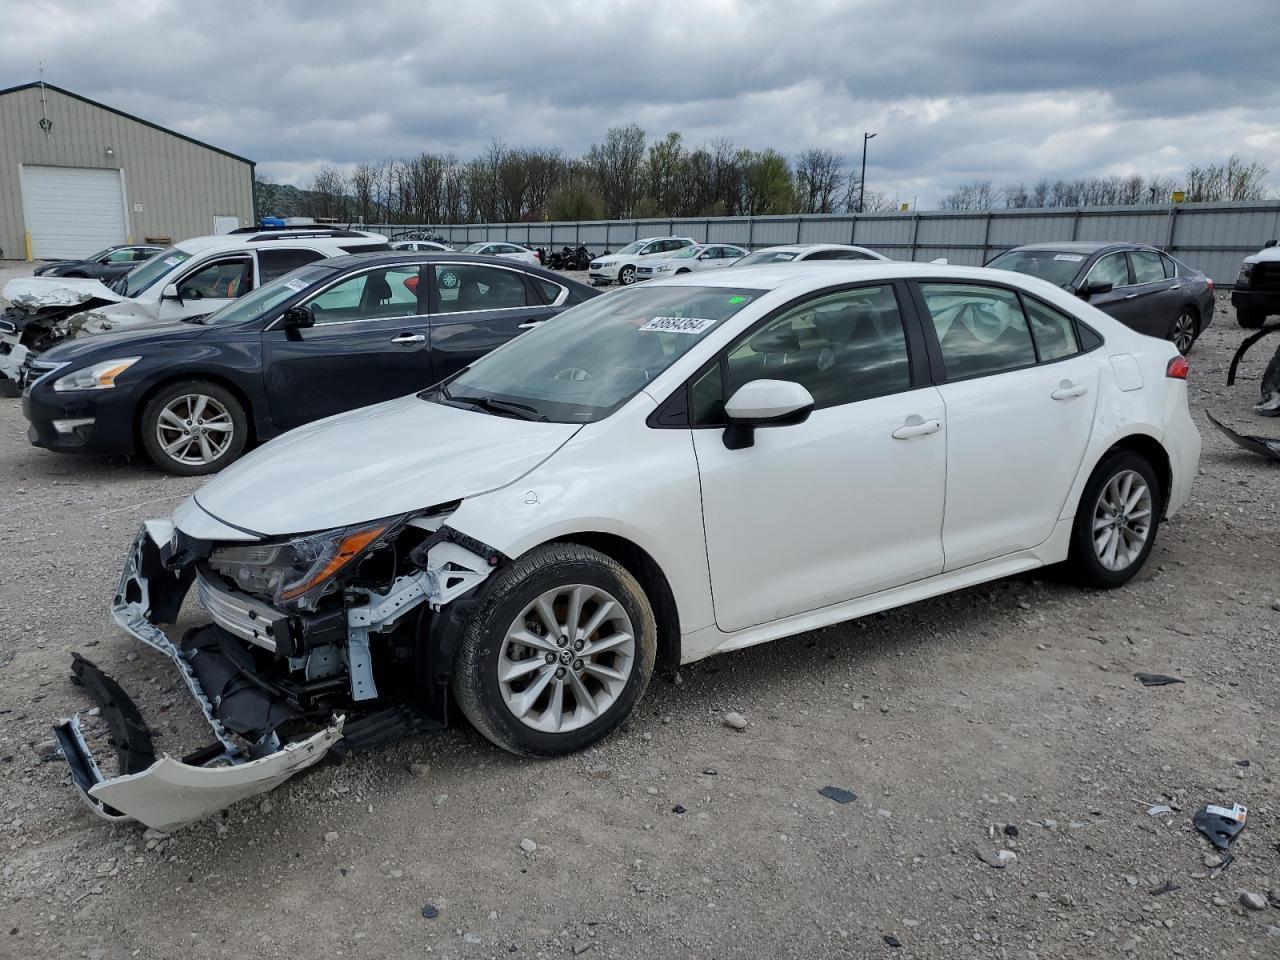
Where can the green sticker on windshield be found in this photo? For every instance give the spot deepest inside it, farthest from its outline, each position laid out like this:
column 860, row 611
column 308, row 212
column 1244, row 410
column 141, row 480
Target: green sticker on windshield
column 736, row 300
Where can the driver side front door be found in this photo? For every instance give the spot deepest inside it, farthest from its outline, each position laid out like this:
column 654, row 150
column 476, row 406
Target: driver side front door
column 209, row 287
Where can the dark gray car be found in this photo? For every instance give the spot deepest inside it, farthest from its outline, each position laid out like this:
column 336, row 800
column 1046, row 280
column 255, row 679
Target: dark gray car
column 1142, row 287
column 104, row 265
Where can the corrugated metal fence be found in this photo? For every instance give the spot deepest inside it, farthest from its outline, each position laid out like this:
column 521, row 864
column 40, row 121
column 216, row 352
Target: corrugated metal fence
column 1212, row 237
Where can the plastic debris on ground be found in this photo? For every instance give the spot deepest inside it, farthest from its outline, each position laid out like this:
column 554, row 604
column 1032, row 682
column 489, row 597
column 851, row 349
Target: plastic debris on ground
column 838, row 794
column 1221, row 824
column 1159, row 810
column 1156, row 679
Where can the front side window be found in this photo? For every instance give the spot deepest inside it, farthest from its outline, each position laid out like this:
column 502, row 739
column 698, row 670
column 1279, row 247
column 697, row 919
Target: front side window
column 375, row 294
column 267, row 297
column 630, row 248
column 1110, row 269
column 981, row 330
column 587, row 362
column 120, row 256
column 467, row 286
column 276, row 263
column 1148, row 266
column 220, row 280
column 842, row 348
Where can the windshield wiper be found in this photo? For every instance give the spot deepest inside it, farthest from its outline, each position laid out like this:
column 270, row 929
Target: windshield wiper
column 196, row 320
column 509, row 408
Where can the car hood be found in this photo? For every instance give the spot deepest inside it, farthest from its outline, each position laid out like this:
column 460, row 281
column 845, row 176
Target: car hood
column 378, row 461
column 126, row 343
column 35, row 293
column 1265, row 255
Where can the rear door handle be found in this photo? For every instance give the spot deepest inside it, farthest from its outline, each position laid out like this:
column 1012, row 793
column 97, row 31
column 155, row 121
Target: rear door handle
column 1069, row 391
column 531, row 324
column 915, row 427
column 410, row 338
column 1176, row 286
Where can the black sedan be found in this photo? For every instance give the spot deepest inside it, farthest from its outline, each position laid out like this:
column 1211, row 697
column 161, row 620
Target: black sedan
column 104, row 265
column 1140, row 286
column 332, row 335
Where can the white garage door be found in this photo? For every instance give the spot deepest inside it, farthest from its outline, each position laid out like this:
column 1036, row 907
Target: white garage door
column 72, row 211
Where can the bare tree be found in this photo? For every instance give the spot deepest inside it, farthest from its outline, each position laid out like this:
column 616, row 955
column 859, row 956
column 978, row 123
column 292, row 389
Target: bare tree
column 618, row 165
column 975, row 195
column 819, row 176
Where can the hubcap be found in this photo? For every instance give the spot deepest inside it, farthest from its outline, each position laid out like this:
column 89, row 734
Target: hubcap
column 566, row 659
column 1184, row 332
column 627, row 276
column 194, row 429
column 1122, row 520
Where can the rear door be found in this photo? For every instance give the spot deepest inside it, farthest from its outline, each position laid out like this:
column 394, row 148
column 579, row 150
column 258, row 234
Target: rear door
column 1019, row 413
column 476, row 307
column 1155, row 297
column 370, row 342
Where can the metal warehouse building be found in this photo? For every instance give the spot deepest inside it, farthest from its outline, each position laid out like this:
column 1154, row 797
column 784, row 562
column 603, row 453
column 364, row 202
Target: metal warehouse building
column 77, row 176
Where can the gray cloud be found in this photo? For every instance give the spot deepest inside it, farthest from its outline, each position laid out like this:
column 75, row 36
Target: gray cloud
column 1013, row 91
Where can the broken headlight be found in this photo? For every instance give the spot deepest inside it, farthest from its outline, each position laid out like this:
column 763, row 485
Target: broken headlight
column 299, row 570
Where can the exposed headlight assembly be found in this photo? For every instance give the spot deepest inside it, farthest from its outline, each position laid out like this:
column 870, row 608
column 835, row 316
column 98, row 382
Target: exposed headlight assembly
column 302, row 569
column 99, row 376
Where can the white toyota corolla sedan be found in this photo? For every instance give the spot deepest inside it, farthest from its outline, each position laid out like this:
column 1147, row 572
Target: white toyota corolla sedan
column 657, row 475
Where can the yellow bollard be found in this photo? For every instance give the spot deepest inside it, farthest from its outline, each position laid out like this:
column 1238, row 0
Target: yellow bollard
column 26, row 238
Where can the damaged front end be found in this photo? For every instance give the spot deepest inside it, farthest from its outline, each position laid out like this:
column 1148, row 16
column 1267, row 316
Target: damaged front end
column 326, row 642
column 45, row 312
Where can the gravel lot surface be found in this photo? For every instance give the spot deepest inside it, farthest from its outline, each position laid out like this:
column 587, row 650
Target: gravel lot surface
column 1011, row 704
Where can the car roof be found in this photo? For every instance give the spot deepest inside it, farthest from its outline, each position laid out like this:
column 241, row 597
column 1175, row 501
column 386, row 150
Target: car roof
column 395, row 257
column 805, row 247
column 1084, row 246
column 777, row 276
column 265, row 239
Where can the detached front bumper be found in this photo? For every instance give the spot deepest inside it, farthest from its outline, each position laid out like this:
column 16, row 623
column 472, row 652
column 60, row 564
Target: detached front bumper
column 168, row 793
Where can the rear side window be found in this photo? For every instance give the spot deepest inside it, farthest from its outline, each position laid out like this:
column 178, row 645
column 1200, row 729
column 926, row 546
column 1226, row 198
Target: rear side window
column 1054, row 332
column 1147, row 266
column 1170, row 268
column 276, row 263
column 468, row 286
column 981, row 330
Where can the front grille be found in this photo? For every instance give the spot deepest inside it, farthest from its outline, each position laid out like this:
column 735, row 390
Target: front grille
column 240, row 614
column 1265, row 276
column 595, row 266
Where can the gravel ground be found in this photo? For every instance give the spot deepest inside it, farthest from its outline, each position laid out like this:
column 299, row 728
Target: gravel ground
column 1008, row 704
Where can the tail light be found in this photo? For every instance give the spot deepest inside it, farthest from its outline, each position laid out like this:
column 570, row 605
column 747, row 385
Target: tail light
column 1209, row 280
column 1178, row 368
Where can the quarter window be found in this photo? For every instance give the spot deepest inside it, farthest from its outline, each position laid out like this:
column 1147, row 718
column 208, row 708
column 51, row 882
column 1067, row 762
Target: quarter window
column 1170, row 268
column 842, row 348
column 392, row 292
column 550, row 291
column 464, row 286
column 1147, row 266
column 981, row 330
column 1054, row 332
column 1110, row 269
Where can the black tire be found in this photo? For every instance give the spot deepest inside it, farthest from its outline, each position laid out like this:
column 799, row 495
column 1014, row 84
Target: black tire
column 1083, row 562
column 1250, row 319
column 683, row 270
column 1185, row 330
column 8, row 389
column 149, row 419
column 627, row 275
column 511, row 590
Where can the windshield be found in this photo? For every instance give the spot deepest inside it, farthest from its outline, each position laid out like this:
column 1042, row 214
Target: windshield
column 145, row 274
column 766, row 256
column 267, row 297
column 1057, row 267
column 586, row 363
column 474, row 247
column 631, row 248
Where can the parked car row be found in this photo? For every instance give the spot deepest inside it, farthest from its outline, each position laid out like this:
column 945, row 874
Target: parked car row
column 656, row 475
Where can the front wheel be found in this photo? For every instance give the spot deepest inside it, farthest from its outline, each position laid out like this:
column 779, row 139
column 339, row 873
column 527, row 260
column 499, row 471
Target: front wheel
column 1116, row 522
column 557, row 653
column 1184, row 330
column 193, row 427
column 627, row 276
column 1250, row 319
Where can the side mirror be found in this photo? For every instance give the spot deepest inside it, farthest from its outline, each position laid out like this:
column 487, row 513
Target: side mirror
column 296, row 318
column 1093, row 289
column 170, row 292
column 764, row 403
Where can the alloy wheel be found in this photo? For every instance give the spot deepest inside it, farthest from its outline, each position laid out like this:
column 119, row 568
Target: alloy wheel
column 1122, row 520
column 194, row 429
column 627, row 276
column 1184, row 331
column 566, row 658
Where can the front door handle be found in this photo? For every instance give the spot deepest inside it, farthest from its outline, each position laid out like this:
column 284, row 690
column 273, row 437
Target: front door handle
column 410, row 338
column 915, row 427
column 1130, row 296
column 531, row 324
column 1069, row 391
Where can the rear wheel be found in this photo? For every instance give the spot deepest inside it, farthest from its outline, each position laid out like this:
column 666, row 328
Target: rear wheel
column 1184, row 330
column 193, row 427
column 557, row 653
column 1116, row 522
column 1250, row 319
column 627, row 276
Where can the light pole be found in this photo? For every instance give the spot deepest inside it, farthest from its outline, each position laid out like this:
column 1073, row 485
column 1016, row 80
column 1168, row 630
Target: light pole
column 862, row 182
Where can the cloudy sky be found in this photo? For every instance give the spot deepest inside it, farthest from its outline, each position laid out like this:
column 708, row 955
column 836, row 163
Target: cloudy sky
column 1011, row 90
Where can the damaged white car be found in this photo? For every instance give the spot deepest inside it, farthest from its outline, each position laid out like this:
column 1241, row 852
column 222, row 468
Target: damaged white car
column 678, row 469
column 188, row 280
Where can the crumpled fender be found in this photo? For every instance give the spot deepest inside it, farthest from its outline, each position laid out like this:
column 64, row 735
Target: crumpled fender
column 39, row 293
